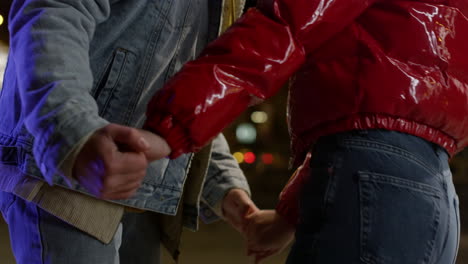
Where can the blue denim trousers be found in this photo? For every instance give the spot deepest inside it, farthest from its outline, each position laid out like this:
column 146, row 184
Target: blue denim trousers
column 38, row 237
column 377, row 197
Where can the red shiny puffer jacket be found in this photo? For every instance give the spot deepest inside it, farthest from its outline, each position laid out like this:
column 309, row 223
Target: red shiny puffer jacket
column 355, row 64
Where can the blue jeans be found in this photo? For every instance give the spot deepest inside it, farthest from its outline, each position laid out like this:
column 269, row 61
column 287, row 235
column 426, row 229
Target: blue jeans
column 38, row 237
column 377, row 197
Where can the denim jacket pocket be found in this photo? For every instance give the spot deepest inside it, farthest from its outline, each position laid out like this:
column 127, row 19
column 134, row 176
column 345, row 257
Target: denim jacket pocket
column 386, row 202
column 109, row 91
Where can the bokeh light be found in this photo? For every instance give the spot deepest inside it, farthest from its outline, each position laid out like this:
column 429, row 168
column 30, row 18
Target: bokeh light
column 239, row 157
column 249, row 157
column 246, row 133
column 259, row 117
column 267, row 158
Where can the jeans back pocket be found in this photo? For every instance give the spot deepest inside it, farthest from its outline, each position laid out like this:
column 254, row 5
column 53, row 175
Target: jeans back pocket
column 399, row 219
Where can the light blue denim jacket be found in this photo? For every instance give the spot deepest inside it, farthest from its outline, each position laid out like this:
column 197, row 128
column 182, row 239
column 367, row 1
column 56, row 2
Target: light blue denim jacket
column 76, row 65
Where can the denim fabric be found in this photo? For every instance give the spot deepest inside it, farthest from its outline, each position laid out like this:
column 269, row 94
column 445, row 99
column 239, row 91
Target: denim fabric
column 377, row 197
column 86, row 63
column 41, row 238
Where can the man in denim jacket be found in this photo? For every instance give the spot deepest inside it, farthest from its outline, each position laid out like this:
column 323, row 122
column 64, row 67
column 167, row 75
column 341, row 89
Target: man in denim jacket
column 79, row 77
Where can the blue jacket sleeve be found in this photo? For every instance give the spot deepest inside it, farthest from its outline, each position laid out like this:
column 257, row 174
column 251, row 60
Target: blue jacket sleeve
column 223, row 175
column 49, row 49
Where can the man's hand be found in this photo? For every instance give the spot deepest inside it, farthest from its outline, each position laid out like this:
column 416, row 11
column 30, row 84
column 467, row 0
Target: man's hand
column 158, row 146
column 112, row 164
column 237, row 205
column 267, row 234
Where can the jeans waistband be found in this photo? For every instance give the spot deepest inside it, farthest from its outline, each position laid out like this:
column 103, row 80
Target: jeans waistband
column 432, row 154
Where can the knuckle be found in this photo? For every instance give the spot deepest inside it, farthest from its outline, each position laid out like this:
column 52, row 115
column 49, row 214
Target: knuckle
column 108, row 185
column 132, row 133
column 108, row 128
column 111, row 168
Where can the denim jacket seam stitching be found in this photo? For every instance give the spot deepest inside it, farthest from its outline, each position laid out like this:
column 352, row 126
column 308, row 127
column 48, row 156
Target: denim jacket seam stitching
column 9, row 138
column 142, row 78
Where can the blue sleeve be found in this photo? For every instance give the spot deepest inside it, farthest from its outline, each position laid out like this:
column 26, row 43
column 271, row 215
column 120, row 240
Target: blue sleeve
column 223, row 175
column 50, row 52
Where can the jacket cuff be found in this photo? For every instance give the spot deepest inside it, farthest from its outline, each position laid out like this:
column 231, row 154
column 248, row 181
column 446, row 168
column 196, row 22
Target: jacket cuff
column 67, row 164
column 55, row 145
column 212, row 200
column 174, row 134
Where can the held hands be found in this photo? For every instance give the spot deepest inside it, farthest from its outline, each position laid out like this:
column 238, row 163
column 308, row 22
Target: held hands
column 113, row 162
column 267, row 234
column 237, row 206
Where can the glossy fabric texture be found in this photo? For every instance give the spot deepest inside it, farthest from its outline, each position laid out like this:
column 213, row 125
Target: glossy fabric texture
column 288, row 205
column 248, row 63
column 356, row 64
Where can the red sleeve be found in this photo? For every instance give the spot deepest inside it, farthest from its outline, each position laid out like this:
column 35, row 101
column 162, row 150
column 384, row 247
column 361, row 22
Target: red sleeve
column 288, row 205
column 250, row 61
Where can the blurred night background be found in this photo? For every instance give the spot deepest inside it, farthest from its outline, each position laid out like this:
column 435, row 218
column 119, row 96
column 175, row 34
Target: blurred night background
column 259, row 140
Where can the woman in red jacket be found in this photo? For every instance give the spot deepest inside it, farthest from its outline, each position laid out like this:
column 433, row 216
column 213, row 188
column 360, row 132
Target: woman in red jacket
column 378, row 94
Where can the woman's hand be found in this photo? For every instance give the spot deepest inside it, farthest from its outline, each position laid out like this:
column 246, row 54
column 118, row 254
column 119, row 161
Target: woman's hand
column 267, row 234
